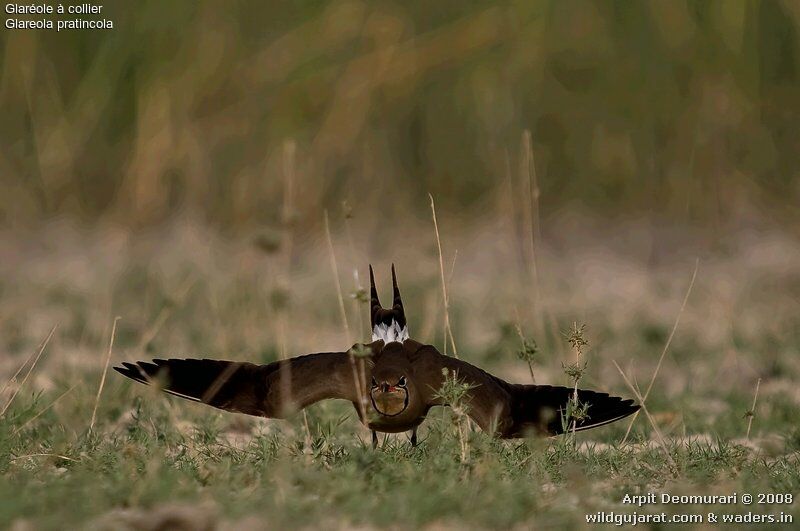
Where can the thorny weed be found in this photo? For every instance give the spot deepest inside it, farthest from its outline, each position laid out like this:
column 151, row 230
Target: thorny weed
column 527, row 351
column 575, row 411
column 453, row 391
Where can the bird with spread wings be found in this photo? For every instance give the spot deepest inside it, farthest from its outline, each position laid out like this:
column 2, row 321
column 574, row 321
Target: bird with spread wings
column 392, row 382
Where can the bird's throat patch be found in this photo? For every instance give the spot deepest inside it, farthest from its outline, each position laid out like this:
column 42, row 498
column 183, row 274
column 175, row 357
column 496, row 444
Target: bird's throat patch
column 390, row 403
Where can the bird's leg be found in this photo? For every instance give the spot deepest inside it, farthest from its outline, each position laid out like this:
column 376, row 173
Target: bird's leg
column 414, row 437
column 374, row 439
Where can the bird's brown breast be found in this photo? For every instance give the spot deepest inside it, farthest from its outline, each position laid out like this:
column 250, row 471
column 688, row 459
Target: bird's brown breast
column 389, row 403
column 394, row 411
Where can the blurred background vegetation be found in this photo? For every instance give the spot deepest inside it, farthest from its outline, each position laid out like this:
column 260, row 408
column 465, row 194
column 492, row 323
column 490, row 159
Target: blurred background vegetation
column 685, row 109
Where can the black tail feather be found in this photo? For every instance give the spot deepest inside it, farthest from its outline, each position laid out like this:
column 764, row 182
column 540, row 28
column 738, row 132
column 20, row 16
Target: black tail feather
column 543, row 408
column 233, row 386
column 374, row 303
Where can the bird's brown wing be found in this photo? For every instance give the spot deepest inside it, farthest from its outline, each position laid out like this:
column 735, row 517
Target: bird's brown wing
column 273, row 390
column 513, row 410
column 488, row 400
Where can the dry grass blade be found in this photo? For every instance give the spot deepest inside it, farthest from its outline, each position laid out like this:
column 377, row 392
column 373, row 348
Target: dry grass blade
column 450, row 283
column 24, row 364
column 105, row 372
column 335, row 269
column 14, row 378
column 666, row 348
column 289, row 151
column 287, row 219
column 30, row 370
column 638, row 395
column 528, row 170
column 752, row 413
column 357, row 302
column 219, row 381
column 447, row 329
column 534, row 185
column 26, row 456
column 164, row 314
column 359, row 385
column 42, row 412
column 452, row 268
column 359, row 378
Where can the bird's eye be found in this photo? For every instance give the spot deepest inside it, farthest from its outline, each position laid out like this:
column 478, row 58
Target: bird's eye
column 401, row 382
column 374, row 383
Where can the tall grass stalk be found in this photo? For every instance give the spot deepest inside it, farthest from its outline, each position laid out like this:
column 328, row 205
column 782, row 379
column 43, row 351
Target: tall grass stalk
column 337, row 282
column 289, row 164
column 27, row 374
column 666, row 348
column 36, row 353
column 752, row 412
column 105, row 372
column 164, row 314
column 360, row 384
column 359, row 296
column 287, row 210
column 635, row 390
column 531, row 207
column 448, row 331
column 42, row 412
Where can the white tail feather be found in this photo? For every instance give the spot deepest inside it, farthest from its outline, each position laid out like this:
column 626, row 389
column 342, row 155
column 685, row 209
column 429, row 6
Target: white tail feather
column 389, row 332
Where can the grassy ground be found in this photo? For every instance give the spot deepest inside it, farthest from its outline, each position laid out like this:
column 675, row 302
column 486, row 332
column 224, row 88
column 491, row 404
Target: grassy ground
column 153, row 460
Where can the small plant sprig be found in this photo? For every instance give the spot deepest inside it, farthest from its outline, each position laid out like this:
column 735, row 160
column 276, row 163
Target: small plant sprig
column 453, row 391
column 360, row 351
column 575, row 411
column 358, row 354
column 751, row 413
column 528, row 351
column 360, row 295
column 574, row 371
column 575, row 337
